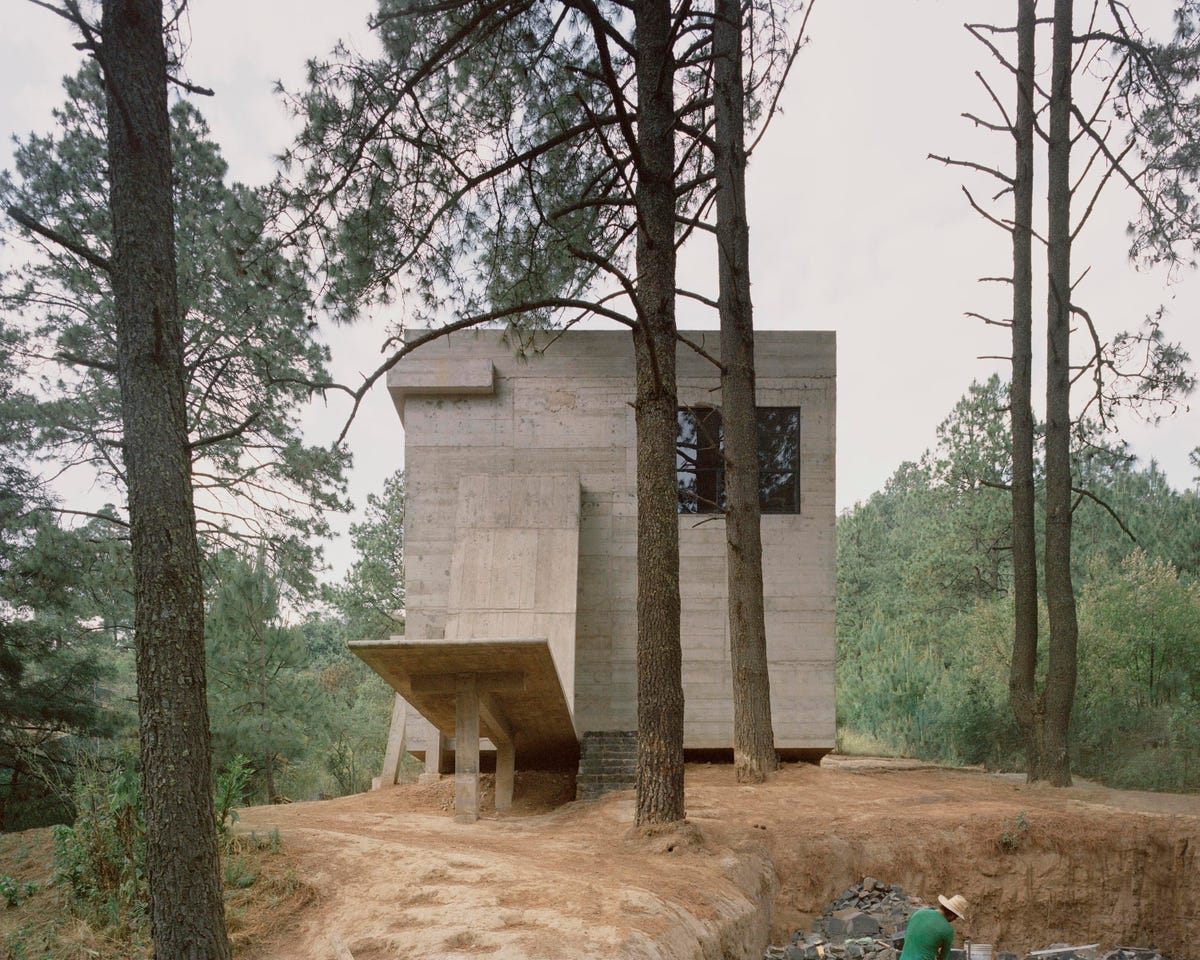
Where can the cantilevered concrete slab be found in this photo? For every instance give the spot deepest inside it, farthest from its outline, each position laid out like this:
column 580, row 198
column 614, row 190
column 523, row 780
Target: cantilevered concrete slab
column 507, row 690
column 517, row 674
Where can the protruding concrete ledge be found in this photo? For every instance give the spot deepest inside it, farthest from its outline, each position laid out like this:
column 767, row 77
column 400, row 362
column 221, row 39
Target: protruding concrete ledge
column 421, row 376
column 536, row 709
column 506, row 690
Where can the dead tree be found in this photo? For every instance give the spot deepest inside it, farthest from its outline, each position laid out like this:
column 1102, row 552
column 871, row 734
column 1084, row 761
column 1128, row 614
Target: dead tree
column 1042, row 711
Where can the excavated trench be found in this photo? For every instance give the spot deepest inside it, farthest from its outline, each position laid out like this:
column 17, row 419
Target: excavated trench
column 1041, row 867
column 396, row 877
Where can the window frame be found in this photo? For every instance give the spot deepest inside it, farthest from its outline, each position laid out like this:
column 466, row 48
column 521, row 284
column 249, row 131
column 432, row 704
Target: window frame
column 705, row 495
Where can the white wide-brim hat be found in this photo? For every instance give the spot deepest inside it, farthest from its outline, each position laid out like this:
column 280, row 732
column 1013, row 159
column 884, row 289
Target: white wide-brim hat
column 957, row 905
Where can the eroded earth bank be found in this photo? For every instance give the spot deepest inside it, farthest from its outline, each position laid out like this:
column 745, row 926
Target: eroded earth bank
column 393, row 876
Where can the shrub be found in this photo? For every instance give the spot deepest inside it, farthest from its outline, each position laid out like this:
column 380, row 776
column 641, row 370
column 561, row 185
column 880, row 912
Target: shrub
column 15, row 892
column 101, row 861
column 232, row 784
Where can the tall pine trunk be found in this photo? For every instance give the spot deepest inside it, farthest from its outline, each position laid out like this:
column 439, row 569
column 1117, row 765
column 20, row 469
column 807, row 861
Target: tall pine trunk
column 1060, row 594
column 753, row 738
column 659, row 797
column 187, row 916
column 1023, row 696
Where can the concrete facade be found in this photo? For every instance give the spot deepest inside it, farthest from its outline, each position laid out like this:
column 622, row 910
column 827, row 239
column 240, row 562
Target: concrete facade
column 521, row 522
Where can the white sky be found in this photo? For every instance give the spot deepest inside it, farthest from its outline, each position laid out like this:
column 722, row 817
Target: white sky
column 853, row 229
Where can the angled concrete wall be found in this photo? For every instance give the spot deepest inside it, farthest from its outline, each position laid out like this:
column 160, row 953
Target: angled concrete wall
column 513, row 570
column 471, row 410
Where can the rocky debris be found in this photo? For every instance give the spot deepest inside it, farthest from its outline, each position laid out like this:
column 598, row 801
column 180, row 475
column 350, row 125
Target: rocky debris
column 868, row 920
column 1133, row 953
column 865, row 923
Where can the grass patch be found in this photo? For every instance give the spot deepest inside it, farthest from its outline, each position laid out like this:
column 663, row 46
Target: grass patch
column 267, row 896
column 852, row 743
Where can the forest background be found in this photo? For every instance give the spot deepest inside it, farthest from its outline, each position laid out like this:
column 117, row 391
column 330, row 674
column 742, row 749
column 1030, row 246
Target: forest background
column 923, row 580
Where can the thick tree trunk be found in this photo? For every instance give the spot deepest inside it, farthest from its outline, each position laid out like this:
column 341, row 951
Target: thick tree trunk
column 187, row 915
column 1060, row 594
column 659, row 657
column 753, row 737
column 1023, row 696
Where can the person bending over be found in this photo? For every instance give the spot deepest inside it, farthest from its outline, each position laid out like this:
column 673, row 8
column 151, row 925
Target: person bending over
column 929, row 934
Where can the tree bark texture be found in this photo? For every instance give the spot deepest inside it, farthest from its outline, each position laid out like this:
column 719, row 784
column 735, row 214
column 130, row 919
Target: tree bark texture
column 659, row 796
column 1060, row 595
column 187, row 912
column 753, row 737
column 1023, row 695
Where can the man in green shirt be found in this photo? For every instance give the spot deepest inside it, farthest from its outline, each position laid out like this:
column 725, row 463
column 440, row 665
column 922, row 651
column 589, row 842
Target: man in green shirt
column 929, row 935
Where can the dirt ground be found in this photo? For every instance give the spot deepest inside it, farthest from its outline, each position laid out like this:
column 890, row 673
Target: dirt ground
column 394, row 876
column 389, row 874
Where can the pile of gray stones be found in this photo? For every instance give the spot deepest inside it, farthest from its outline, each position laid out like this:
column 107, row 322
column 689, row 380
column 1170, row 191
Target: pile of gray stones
column 867, row 922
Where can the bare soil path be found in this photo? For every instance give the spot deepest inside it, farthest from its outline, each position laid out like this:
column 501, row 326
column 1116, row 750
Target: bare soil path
column 395, row 877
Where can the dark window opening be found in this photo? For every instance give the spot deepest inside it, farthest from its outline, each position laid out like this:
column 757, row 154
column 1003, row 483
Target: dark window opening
column 700, row 467
column 779, row 459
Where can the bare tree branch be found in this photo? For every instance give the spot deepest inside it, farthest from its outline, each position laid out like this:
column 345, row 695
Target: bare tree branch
column 1111, row 512
column 77, row 248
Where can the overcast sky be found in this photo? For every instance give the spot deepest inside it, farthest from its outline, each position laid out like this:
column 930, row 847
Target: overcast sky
column 853, row 229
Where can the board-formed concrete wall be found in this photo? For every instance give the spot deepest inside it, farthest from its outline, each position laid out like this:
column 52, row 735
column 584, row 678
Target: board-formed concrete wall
column 471, row 408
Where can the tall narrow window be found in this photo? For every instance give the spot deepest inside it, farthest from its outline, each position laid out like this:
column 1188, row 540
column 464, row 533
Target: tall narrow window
column 700, row 466
column 699, row 469
column 779, row 459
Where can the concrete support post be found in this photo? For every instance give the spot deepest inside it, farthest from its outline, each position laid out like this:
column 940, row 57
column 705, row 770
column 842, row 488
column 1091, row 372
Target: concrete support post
column 506, row 761
column 434, row 749
column 396, row 744
column 466, row 750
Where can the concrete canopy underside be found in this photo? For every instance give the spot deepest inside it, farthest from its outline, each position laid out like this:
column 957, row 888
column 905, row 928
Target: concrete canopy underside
column 518, row 683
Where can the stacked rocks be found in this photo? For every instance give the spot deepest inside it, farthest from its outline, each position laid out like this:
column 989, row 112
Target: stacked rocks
column 868, row 920
column 1133, row 953
column 607, row 762
column 865, row 923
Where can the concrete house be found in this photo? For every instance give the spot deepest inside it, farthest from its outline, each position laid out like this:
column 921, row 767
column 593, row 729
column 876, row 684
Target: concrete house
column 520, row 550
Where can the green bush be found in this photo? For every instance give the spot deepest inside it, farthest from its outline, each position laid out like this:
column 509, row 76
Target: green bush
column 1136, row 723
column 15, row 892
column 100, row 862
column 233, row 782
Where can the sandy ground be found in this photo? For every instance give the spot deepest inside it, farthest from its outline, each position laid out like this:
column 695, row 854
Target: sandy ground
column 393, row 876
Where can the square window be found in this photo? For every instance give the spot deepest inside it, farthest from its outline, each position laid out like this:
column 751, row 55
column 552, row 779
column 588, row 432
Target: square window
column 700, row 465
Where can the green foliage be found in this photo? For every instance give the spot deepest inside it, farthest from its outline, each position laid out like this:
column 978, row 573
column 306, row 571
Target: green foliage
column 15, row 892
column 251, row 351
column 371, row 598
column 925, row 619
column 1160, row 94
column 1013, row 833
column 63, row 601
column 100, row 862
column 1136, row 718
column 466, row 188
column 232, row 784
column 259, row 695
column 356, row 707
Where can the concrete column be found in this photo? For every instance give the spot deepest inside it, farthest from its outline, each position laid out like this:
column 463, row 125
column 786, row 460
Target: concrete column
column 434, row 751
column 466, row 750
column 396, row 743
column 506, row 761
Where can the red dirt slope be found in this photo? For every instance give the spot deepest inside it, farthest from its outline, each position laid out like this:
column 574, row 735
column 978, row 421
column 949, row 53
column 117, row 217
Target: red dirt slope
column 396, row 877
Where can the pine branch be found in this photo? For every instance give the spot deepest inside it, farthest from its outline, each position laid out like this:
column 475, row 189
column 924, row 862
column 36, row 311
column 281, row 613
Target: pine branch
column 1111, row 512
column 191, row 87
column 77, row 248
column 801, row 40
column 225, row 434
